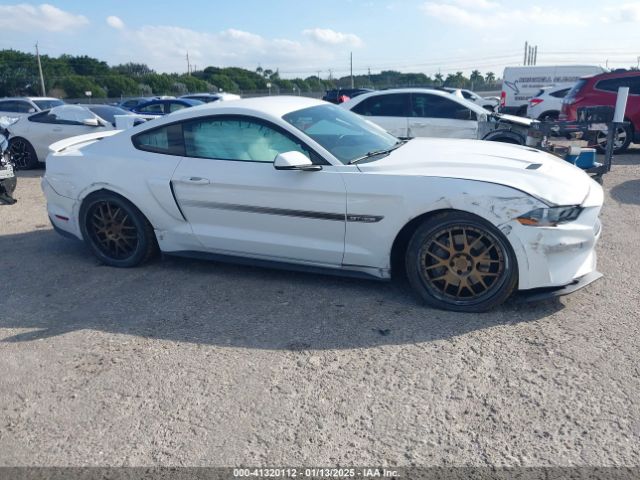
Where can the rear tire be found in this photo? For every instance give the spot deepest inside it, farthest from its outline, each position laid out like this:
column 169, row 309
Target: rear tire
column 116, row 231
column 459, row 261
column 621, row 141
column 22, row 154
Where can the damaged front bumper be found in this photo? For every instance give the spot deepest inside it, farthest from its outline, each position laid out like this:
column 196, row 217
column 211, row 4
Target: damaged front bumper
column 537, row 294
column 562, row 256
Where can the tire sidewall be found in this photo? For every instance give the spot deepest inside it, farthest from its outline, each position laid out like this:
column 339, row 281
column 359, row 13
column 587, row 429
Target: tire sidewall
column 138, row 220
column 601, row 147
column 450, row 219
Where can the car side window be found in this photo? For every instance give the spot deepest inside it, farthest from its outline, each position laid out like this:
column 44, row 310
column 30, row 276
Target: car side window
column 560, row 93
column 154, row 108
column 424, row 105
column 175, row 106
column 7, row 107
column 167, row 140
column 389, row 105
column 237, row 139
column 613, row 84
column 43, row 117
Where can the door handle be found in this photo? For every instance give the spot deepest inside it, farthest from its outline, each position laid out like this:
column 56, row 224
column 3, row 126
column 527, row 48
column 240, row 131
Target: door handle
column 57, row 129
column 417, row 124
column 196, row 180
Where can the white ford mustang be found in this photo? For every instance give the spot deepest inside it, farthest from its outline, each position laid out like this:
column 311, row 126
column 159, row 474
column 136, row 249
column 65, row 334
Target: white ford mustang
column 299, row 182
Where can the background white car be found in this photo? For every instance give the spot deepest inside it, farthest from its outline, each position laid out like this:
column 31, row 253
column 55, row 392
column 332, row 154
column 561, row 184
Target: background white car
column 419, row 112
column 297, row 181
column 547, row 103
column 24, row 106
column 32, row 135
column 488, row 103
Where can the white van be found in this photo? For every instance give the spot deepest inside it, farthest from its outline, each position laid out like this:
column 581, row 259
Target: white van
column 519, row 84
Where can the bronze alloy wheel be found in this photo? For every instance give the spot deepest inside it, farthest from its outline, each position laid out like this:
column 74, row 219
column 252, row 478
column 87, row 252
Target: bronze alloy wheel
column 112, row 230
column 461, row 264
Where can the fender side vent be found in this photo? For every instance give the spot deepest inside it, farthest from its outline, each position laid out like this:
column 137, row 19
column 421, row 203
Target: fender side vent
column 534, row 166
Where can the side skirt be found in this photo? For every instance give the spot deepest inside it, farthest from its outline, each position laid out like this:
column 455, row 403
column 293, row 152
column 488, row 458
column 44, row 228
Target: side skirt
column 254, row 262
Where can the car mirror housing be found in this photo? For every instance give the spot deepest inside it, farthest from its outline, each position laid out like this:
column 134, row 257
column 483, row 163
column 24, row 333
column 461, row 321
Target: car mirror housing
column 91, row 122
column 294, row 161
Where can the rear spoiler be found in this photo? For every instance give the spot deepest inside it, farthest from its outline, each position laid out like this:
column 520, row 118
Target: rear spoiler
column 70, row 142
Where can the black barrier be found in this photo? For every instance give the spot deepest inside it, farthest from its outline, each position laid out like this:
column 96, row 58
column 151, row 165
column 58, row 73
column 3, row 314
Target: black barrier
column 411, row 473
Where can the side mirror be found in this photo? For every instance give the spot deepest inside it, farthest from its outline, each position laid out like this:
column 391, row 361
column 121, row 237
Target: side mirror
column 32, row 110
column 91, row 122
column 294, row 161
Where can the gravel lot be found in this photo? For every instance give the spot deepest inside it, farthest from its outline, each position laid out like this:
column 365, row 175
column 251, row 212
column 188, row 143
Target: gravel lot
column 198, row 363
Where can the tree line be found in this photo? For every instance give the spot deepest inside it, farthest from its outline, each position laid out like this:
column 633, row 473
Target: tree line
column 69, row 76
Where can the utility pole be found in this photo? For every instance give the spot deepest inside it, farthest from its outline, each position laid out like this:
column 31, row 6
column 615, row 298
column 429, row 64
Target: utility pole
column 188, row 64
column 535, row 55
column 526, row 51
column 330, row 75
column 351, row 58
column 44, row 92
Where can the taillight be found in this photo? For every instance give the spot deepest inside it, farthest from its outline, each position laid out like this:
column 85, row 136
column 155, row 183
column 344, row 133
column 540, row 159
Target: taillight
column 535, row 101
column 503, row 98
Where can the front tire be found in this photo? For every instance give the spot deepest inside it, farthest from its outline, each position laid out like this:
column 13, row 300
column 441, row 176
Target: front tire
column 22, row 154
column 116, row 231
column 458, row 261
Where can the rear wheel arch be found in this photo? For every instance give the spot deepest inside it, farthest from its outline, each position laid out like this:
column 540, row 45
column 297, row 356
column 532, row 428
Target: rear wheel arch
column 146, row 237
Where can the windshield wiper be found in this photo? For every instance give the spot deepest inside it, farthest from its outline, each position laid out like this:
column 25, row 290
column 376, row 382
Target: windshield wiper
column 375, row 153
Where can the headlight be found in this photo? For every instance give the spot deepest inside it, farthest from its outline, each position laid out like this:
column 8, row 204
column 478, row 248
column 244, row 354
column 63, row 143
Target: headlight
column 550, row 217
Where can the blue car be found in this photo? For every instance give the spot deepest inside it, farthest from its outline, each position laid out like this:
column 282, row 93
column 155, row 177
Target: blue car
column 163, row 107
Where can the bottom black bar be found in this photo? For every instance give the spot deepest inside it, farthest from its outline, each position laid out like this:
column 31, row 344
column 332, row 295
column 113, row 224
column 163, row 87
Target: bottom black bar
column 412, row 473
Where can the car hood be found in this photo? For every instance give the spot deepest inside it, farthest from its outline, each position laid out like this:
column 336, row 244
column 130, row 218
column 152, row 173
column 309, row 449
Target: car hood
column 536, row 173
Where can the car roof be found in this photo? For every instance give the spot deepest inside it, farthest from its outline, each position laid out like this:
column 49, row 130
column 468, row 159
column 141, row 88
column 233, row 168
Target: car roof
column 30, row 98
column 431, row 91
column 275, row 106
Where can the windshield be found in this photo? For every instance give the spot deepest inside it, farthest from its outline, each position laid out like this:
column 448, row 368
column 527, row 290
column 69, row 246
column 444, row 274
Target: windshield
column 107, row 112
column 47, row 104
column 346, row 135
column 576, row 88
column 71, row 113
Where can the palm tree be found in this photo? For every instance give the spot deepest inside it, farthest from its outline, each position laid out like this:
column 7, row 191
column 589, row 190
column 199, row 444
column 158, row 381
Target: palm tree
column 439, row 78
column 490, row 78
column 476, row 78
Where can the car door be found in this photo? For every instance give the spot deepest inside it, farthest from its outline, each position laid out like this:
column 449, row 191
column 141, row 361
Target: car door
column 388, row 110
column 440, row 116
column 238, row 204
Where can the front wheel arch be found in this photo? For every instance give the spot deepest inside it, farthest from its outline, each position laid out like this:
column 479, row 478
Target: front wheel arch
column 505, row 136
column 496, row 263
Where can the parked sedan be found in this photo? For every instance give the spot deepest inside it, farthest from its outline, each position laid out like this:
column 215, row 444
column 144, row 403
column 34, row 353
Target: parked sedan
column 211, row 97
column 422, row 112
column 488, row 103
column 32, row 135
column 299, row 182
column 23, row 106
column 160, row 107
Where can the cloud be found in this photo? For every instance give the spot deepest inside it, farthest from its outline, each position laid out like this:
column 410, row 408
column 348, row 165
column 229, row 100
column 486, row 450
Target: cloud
column 483, row 14
column 164, row 48
column 115, row 22
column 25, row 17
column 627, row 12
column 327, row 36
